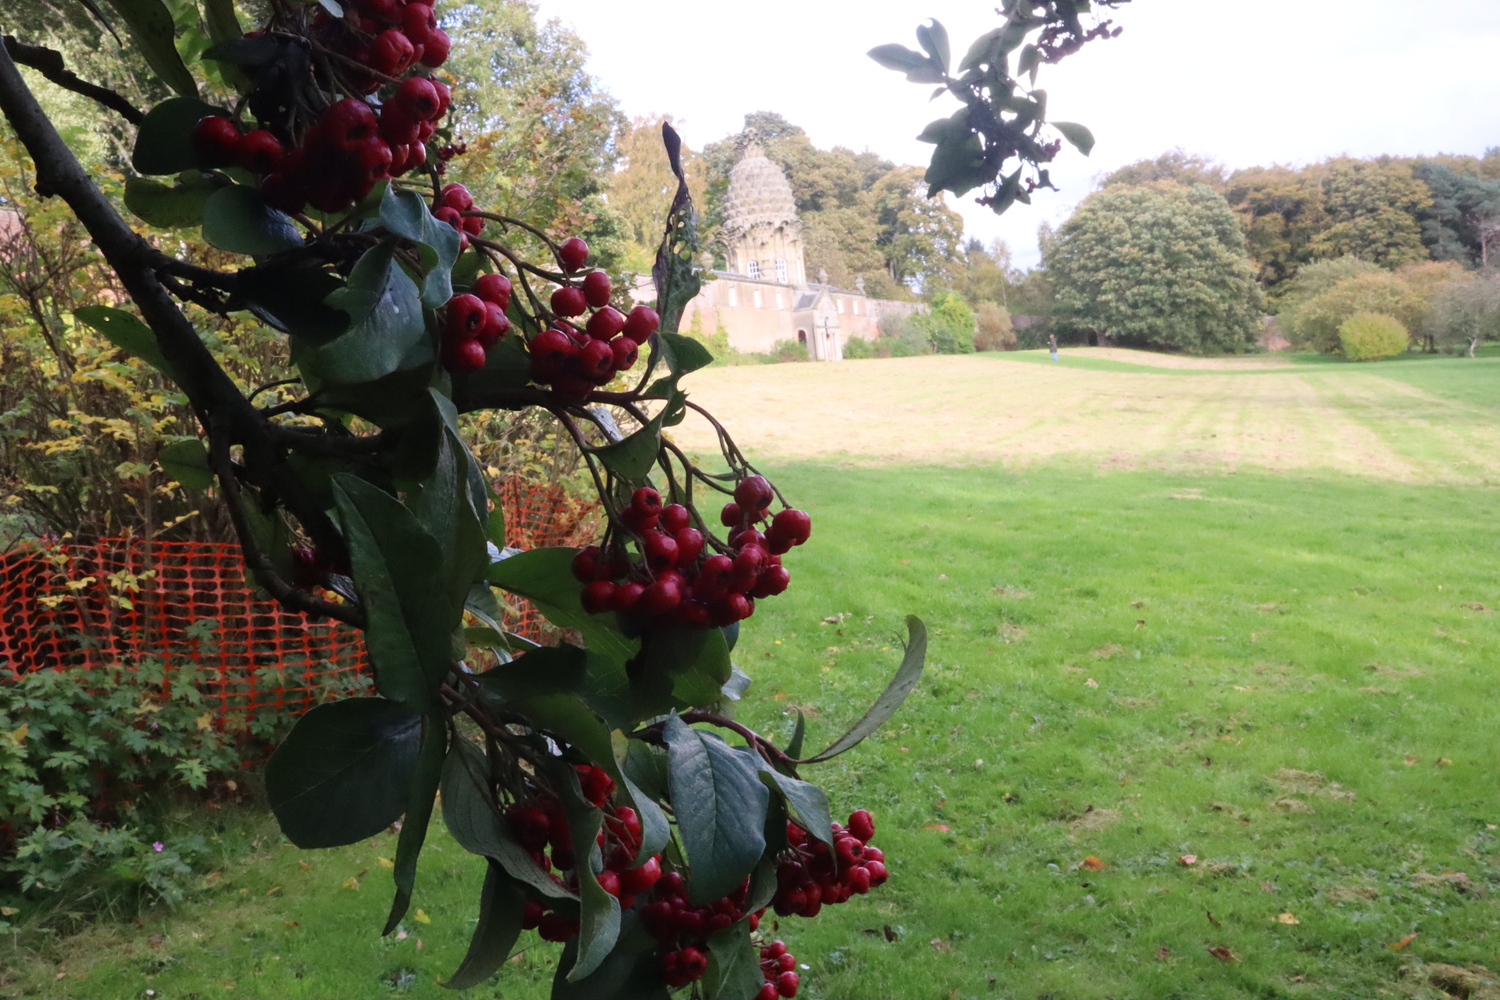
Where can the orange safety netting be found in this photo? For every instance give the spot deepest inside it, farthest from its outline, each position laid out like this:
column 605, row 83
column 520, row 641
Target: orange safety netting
column 122, row 600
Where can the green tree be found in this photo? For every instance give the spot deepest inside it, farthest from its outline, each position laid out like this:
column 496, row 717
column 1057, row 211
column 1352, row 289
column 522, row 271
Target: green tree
column 992, row 328
column 920, row 238
column 1281, row 211
column 642, row 184
column 1372, row 208
column 1465, row 314
column 948, row 325
column 1162, row 266
column 1185, row 168
column 1313, row 322
column 1463, row 221
column 988, row 274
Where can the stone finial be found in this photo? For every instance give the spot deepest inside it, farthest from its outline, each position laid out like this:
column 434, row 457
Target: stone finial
column 706, row 261
column 822, row 275
column 859, row 284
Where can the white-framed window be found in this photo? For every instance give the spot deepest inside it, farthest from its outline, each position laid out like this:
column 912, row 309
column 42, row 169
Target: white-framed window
column 753, row 269
column 781, row 269
column 756, row 295
column 856, row 307
column 734, row 297
column 780, row 304
column 840, row 304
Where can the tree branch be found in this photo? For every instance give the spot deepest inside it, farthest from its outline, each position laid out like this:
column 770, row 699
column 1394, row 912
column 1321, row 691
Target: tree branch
column 49, row 63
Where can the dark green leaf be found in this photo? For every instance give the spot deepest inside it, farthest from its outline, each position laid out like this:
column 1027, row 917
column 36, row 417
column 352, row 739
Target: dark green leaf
column 501, row 904
column 633, row 457
column 674, row 272
column 344, row 772
column 187, row 462
column 237, row 219
column 256, row 52
column 1081, row 138
column 506, row 366
column 545, row 577
column 732, row 639
column 720, row 805
column 424, row 789
column 222, row 23
column 979, row 52
column 733, row 965
column 1029, row 62
column 957, row 164
column 467, row 268
column 763, row 879
column 739, row 682
column 807, row 800
column 387, row 332
column 154, row 33
column 169, row 207
column 647, row 767
column 127, row 333
column 690, row 355
column 397, row 568
column 799, row 733
column 898, row 57
column 270, row 534
column 895, row 693
column 934, row 41
column 445, row 506
column 470, row 813
column 631, row 971
column 405, row 213
column 291, row 298
column 599, row 918
column 164, row 141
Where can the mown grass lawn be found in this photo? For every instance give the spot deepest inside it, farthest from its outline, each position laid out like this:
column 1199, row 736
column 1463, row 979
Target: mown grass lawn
column 1291, row 679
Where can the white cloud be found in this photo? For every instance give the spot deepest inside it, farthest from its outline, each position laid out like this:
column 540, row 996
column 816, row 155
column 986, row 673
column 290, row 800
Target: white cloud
column 1283, row 81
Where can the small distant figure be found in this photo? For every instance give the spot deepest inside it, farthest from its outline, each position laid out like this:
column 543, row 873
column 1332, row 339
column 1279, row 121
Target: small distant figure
column 1052, row 345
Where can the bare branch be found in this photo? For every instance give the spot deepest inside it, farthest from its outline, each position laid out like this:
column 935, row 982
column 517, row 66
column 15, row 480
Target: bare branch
column 49, row 63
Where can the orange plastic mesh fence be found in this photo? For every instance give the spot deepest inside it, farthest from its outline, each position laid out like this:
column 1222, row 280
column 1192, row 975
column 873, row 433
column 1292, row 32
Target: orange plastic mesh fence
column 189, row 604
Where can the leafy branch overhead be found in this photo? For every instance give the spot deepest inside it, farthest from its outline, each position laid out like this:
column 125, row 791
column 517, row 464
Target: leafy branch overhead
column 612, row 800
column 1002, row 119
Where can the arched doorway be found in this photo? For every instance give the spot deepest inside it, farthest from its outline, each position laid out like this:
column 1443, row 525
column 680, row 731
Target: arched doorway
column 802, row 337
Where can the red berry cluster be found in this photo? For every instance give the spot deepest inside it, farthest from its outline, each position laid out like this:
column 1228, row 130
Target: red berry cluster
column 574, row 357
column 675, row 583
column 473, row 321
column 683, row 929
column 815, row 874
column 779, row 967
column 538, row 827
column 388, row 36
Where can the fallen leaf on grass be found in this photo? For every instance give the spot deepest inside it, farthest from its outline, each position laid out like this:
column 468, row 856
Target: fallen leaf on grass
column 938, row 944
column 939, row 827
column 1299, row 979
column 228, row 984
column 890, row 935
column 1223, row 954
column 1092, row 864
column 273, row 890
column 1163, row 953
column 1267, row 887
column 401, row 934
column 385, row 862
column 1398, row 945
column 422, row 917
column 1286, row 918
column 1213, row 920
column 419, row 944
column 155, row 940
column 1188, row 860
column 304, row 866
column 351, row 882
column 290, row 923
column 1091, row 683
column 1409, row 760
column 1443, row 762
column 1474, row 606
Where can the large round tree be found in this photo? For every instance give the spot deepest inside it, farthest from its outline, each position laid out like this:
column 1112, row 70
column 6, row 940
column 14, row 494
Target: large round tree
column 1161, row 266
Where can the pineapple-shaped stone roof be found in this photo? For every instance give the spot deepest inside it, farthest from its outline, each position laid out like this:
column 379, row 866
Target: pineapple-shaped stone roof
column 758, row 193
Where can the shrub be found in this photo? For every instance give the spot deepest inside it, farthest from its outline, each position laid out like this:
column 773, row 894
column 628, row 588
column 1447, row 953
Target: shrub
column 993, row 328
column 948, row 325
column 900, row 338
column 786, row 350
column 1464, row 315
column 859, row 348
column 1315, row 324
column 1370, row 336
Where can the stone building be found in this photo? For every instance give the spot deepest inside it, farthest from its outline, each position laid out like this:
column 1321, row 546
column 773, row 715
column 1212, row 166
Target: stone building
column 764, row 295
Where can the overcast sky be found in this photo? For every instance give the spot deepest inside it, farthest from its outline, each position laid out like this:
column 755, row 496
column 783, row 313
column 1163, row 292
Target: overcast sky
column 1246, row 83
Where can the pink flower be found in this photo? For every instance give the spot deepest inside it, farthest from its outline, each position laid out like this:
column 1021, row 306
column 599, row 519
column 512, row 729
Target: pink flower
column 157, row 846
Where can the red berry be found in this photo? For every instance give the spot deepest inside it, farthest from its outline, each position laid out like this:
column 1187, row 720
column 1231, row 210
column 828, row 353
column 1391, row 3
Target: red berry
column 419, row 22
column 216, row 140
column 609, row 882
column 675, row 517
column 554, row 927
column 777, row 948
column 572, row 254
column 878, row 873
column 753, row 494
column 859, row 879
column 792, row 525
column 598, row 597
column 873, row 854
column 596, row 288
column 398, row 128
column 714, row 578
column 493, row 288
column 660, row 597
column 585, row 564
column 463, row 355
column 768, row 992
column 530, row 825
column 258, row 152
column 496, row 325
column 448, row 215
column 605, row 323
column 625, row 352
column 730, row 517
column 598, row 362
column 773, row 581
column 641, row 323
column 646, row 500
column 445, row 98
column 689, row 545
column 786, row 985
column 597, row 785
column 693, row 963
column 748, row 564
column 861, row 824
column 637, row 520
column 435, row 49
column 638, row 880
column 466, row 316
column 473, row 225
column 569, row 301
column 457, row 197
column 283, row 191
column 729, row 608
column 416, row 99
column 628, row 595
column 660, row 551
column 373, row 158
column 550, row 352
column 391, row 52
